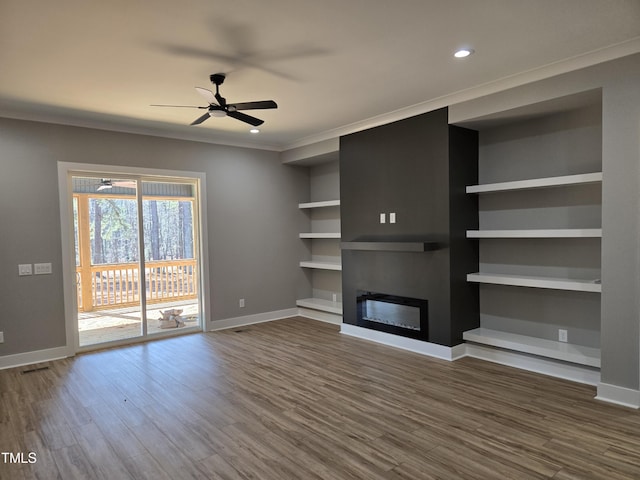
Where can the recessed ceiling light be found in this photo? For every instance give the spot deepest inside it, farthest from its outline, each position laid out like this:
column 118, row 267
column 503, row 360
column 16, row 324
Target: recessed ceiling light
column 463, row 52
column 254, row 130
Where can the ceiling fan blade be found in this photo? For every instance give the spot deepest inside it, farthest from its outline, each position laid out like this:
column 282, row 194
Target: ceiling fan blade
column 207, row 94
column 260, row 105
column 201, row 119
column 104, row 187
column 179, row 106
column 243, row 117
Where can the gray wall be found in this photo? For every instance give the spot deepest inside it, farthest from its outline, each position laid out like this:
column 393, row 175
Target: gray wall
column 620, row 259
column 253, row 222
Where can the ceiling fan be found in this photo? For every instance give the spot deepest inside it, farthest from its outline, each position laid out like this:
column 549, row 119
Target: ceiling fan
column 106, row 184
column 218, row 106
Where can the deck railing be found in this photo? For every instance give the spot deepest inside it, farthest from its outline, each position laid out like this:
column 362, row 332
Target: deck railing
column 118, row 285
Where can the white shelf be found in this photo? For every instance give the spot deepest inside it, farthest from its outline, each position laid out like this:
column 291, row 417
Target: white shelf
column 535, row 282
column 321, row 265
column 320, row 235
column 537, row 233
column 567, row 352
column 326, row 203
column 537, row 183
column 320, row 304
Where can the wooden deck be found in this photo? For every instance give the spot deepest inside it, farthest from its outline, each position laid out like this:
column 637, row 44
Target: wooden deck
column 101, row 326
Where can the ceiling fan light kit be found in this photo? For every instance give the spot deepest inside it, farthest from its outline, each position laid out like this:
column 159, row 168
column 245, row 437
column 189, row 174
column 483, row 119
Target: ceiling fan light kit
column 218, row 106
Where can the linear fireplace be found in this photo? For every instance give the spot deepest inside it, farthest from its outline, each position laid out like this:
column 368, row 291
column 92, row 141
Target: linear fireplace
column 393, row 314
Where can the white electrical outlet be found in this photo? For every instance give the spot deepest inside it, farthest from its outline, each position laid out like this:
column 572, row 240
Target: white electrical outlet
column 334, row 297
column 383, row 218
column 25, row 269
column 392, row 217
column 241, row 303
column 1, row 337
column 42, row 268
column 562, row 335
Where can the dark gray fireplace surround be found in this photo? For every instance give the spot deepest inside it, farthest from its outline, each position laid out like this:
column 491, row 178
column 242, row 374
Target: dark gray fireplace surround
column 417, row 168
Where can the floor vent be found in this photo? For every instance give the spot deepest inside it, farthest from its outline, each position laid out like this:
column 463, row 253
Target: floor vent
column 32, row 370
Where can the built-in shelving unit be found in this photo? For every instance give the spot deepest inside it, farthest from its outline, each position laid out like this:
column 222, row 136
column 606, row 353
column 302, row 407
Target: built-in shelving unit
column 537, row 233
column 542, row 307
column 573, row 353
column 564, row 180
column 566, row 352
column 322, row 264
column 536, row 282
column 321, row 305
column 320, row 235
column 327, row 203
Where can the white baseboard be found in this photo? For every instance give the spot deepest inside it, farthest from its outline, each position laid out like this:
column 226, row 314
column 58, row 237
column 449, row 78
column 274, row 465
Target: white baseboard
column 251, row 319
column 410, row 344
column 626, row 397
column 553, row 368
column 321, row 316
column 38, row 356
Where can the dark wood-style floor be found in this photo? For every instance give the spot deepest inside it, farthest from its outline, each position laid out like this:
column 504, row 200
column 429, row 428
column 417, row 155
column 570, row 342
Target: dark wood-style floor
column 294, row 399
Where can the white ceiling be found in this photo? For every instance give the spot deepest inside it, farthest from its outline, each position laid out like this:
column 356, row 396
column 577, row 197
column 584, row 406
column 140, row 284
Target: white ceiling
column 333, row 66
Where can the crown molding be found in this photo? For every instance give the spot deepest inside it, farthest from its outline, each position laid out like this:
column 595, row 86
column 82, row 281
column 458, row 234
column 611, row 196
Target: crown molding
column 121, row 125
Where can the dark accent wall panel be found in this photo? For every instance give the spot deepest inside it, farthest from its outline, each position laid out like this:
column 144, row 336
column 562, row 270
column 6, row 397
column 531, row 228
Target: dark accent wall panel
column 416, row 168
column 398, row 168
column 463, row 216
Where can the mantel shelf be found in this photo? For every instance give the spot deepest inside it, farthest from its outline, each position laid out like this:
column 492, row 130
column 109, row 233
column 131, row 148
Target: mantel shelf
column 391, row 246
column 536, row 346
column 565, row 180
column 537, row 233
column 535, row 282
column 321, row 305
column 326, row 203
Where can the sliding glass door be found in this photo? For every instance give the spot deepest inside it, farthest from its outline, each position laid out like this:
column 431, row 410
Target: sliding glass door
column 171, row 273
column 135, row 243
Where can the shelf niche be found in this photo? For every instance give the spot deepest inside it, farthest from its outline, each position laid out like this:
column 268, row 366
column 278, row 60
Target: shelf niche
column 546, row 182
column 567, row 352
column 322, row 265
column 536, row 282
column 540, row 165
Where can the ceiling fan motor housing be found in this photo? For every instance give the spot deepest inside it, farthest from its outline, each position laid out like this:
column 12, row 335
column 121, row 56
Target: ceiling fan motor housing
column 217, row 78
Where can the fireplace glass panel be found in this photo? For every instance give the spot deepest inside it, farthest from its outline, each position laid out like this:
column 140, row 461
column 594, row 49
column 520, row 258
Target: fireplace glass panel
column 403, row 316
column 393, row 314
